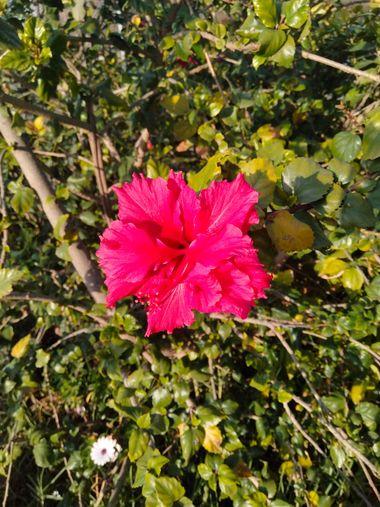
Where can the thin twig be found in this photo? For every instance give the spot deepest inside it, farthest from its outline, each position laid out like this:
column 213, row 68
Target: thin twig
column 214, row 76
column 267, row 321
column 36, row 109
column 3, row 211
column 9, row 471
column 69, row 336
column 141, row 147
column 340, row 66
column 212, row 382
column 119, row 484
column 96, row 152
column 338, row 433
column 370, row 481
column 302, row 431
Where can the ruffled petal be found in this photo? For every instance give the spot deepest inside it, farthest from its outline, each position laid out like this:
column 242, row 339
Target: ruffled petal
column 227, row 202
column 211, row 248
column 171, row 311
column 251, row 265
column 237, row 292
column 206, row 289
column 168, row 208
column 127, row 254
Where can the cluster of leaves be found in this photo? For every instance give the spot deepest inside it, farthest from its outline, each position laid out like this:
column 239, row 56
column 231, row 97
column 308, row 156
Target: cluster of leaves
column 279, row 410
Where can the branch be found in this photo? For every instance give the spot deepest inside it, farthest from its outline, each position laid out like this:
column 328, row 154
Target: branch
column 340, row 66
column 119, row 484
column 33, row 108
column 96, row 152
column 254, row 47
column 38, row 180
column 3, row 211
column 213, row 74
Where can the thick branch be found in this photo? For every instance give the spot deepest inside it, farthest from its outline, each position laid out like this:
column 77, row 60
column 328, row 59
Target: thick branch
column 40, row 183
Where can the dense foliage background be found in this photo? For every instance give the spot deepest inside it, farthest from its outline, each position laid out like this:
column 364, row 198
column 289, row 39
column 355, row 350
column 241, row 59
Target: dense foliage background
column 279, row 410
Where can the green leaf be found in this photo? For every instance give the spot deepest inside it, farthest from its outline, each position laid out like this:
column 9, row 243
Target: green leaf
column 332, row 200
column 42, row 358
column 251, row 28
column 8, row 277
column 168, row 490
column 23, row 200
column 338, row 455
column 373, row 290
column 370, row 413
column 176, row 105
column 16, row 59
column 42, row 454
column 161, row 398
column 285, row 55
column 207, row 132
column 296, row 12
column 371, row 138
column 260, row 173
column 266, row 11
column 60, row 227
column 8, row 36
column 307, row 179
column 137, row 444
column 227, row 481
column 346, row 146
column 271, row 41
column 353, row 279
column 374, row 196
column 343, row 170
column 205, row 471
column 357, row 211
column 335, row 403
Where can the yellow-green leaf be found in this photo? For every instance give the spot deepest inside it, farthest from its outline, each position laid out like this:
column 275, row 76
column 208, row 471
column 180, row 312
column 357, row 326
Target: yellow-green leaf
column 213, row 439
column 330, row 266
column 261, row 175
column 353, row 279
column 357, row 393
column 19, row 349
column 289, row 234
column 176, row 105
column 7, row 278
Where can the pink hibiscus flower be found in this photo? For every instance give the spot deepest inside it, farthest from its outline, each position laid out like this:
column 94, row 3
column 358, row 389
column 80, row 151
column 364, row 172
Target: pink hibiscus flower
column 178, row 251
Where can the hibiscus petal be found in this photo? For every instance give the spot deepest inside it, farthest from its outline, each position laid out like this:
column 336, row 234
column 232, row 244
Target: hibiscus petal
column 251, row 265
column 127, row 253
column 227, row 202
column 237, row 292
column 168, row 208
column 211, row 248
column 173, row 311
column 206, row 290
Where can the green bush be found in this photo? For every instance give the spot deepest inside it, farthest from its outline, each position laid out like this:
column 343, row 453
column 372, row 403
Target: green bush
column 278, row 410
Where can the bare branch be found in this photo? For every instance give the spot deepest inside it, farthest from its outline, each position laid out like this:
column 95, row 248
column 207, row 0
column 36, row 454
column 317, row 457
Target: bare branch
column 3, row 211
column 96, row 152
column 340, row 66
column 38, row 180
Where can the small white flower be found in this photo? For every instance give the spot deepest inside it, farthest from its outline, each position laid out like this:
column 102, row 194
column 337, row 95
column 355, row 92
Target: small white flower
column 105, row 450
